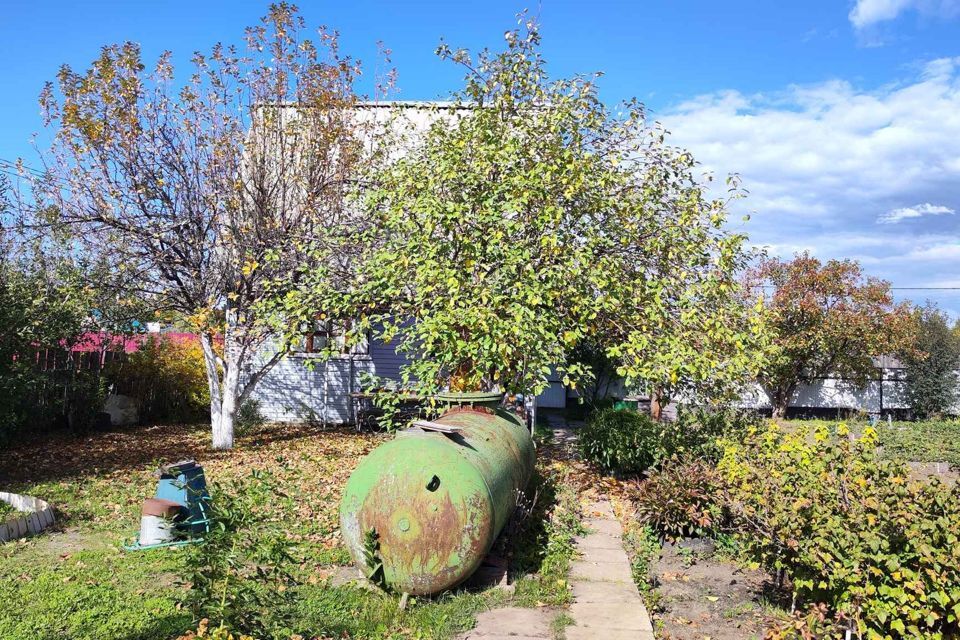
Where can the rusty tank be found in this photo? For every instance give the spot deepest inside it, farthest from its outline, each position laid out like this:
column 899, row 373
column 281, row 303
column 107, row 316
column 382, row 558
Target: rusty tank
column 426, row 507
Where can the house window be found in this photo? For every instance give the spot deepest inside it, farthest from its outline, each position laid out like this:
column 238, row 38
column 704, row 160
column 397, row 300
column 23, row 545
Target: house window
column 329, row 335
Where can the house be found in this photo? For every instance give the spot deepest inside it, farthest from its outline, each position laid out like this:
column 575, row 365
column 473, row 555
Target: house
column 884, row 394
column 305, row 386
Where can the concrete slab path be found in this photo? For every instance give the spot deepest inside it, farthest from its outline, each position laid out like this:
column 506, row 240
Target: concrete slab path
column 606, row 603
column 512, row 623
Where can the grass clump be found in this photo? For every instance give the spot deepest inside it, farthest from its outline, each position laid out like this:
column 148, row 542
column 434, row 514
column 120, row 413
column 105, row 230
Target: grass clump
column 923, row 441
column 542, row 546
column 7, row 511
column 643, row 545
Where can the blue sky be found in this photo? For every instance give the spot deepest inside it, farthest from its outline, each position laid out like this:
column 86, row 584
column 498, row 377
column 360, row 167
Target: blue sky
column 842, row 118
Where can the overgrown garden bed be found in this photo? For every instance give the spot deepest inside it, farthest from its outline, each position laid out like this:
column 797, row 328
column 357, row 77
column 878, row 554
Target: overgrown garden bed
column 789, row 531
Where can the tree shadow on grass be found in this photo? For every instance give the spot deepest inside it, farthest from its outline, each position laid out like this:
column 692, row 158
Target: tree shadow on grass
column 60, row 456
column 523, row 542
column 169, row 626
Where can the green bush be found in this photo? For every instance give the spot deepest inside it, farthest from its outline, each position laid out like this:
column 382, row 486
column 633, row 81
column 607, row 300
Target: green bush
column 85, row 395
column 679, row 499
column 249, row 417
column 239, row 576
column 31, row 399
column 19, row 386
column 697, row 431
column 848, row 529
column 623, row 442
column 620, row 441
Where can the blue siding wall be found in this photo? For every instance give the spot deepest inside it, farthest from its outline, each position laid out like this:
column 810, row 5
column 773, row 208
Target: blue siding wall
column 387, row 361
column 304, row 388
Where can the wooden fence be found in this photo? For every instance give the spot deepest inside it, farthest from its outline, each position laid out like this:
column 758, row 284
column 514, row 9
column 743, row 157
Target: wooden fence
column 58, row 371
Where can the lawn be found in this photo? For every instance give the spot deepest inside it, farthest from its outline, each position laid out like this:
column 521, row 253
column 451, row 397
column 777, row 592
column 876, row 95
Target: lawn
column 76, row 582
column 922, row 441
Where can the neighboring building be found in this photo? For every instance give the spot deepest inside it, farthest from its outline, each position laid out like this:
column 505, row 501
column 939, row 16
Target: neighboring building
column 829, row 397
column 885, row 394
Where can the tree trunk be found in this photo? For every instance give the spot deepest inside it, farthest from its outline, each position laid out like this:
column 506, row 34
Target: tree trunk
column 656, row 404
column 223, row 395
column 223, row 429
column 780, row 401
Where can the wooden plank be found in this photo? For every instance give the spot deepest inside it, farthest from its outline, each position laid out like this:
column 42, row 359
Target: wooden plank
column 427, row 425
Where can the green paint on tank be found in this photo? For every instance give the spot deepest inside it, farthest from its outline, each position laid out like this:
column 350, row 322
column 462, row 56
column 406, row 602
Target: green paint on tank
column 438, row 501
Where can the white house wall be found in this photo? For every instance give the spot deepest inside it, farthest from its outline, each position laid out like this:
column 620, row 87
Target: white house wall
column 306, row 388
column 293, row 391
column 834, row 393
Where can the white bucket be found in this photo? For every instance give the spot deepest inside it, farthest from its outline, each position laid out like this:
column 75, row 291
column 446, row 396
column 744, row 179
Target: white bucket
column 155, row 530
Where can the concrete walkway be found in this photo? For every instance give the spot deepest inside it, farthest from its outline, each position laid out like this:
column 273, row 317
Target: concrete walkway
column 512, row 623
column 606, row 603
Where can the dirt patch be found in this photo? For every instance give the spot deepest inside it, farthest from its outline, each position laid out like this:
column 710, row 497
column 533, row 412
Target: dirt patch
column 704, row 597
column 65, row 542
column 946, row 472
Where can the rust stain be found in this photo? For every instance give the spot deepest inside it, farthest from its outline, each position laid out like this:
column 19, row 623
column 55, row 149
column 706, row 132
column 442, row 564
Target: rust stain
column 438, row 500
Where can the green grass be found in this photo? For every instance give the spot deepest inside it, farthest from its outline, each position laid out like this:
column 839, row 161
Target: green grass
column 559, row 624
column 926, row 441
column 541, row 551
column 920, row 441
column 75, row 582
column 542, row 433
column 6, row 511
column 361, row 613
column 100, row 594
column 643, row 547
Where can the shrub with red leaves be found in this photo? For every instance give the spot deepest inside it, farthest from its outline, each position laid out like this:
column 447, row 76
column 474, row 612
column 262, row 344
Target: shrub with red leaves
column 679, row 499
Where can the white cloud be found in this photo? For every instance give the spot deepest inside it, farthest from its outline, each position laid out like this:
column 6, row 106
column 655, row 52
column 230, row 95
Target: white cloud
column 867, row 13
column 824, row 163
column 916, row 211
column 937, row 252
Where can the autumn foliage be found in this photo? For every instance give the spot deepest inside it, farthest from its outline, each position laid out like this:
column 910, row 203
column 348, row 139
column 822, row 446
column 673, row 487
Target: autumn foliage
column 826, row 319
column 847, row 528
column 167, row 378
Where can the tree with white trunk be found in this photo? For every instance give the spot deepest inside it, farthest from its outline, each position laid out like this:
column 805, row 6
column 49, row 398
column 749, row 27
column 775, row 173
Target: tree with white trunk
column 202, row 192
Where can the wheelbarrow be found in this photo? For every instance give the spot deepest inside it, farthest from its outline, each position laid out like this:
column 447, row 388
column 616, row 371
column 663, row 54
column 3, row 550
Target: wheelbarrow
column 179, row 512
